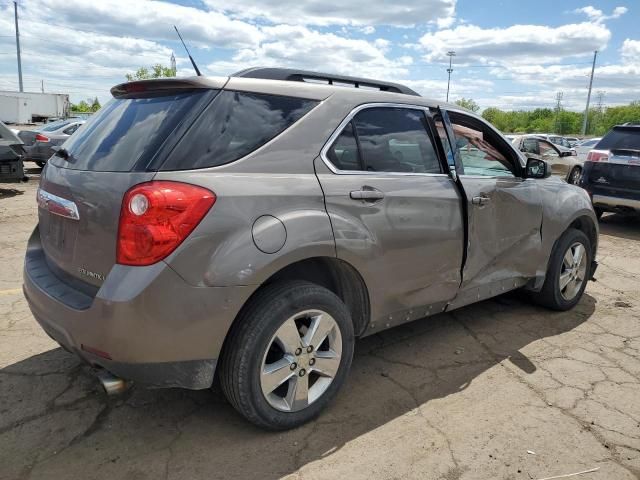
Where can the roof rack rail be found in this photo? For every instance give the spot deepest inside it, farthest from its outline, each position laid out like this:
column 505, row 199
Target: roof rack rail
column 293, row 75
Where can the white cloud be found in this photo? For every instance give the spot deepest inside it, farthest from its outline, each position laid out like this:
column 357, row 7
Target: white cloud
column 403, row 13
column 461, row 87
column 301, row 47
column 598, row 16
column 517, row 44
column 149, row 19
column 631, row 51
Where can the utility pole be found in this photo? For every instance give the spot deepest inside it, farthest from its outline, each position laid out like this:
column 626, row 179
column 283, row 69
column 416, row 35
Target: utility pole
column 586, row 111
column 559, row 96
column 450, row 54
column 15, row 10
column 42, row 85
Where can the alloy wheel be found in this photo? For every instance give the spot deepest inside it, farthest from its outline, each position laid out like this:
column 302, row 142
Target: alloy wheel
column 573, row 271
column 301, row 360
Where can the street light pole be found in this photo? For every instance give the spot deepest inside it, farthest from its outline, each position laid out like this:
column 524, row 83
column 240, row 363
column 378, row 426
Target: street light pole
column 450, row 54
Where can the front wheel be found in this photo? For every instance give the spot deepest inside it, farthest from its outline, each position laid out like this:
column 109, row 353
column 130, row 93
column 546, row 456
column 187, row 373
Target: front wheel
column 288, row 354
column 567, row 272
column 575, row 176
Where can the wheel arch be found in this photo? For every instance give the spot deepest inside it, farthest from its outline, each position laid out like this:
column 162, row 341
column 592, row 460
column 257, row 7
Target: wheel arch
column 332, row 273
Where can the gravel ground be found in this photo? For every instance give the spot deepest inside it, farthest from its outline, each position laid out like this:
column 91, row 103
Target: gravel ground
column 497, row 390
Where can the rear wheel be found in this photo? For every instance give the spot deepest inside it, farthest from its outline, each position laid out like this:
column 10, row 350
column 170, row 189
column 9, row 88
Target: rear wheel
column 288, row 355
column 575, row 176
column 567, row 273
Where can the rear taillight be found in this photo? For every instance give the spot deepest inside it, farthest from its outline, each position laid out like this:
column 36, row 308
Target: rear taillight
column 156, row 217
column 41, row 138
column 598, row 156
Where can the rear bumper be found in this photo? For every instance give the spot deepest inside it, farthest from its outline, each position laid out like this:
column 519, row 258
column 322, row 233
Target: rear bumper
column 144, row 324
column 38, row 152
column 615, row 202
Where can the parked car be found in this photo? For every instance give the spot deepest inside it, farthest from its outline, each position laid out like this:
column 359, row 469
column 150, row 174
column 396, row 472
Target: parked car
column 252, row 227
column 563, row 161
column 573, row 141
column 557, row 140
column 583, row 148
column 41, row 142
column 612, row 171
column 11, row 153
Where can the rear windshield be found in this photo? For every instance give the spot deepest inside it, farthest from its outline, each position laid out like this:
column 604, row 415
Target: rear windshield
column 126, row 133
column 53, row 126
column 621, row 138
column 234, row 125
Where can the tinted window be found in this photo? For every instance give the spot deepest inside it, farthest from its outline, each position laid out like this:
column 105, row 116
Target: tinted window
column 530, row 145
column 126, row 133
column 621, row 138
column 343, row 154
column 53, row 126
column 234, row 125
column 479, row 155
column 395, row 140
column 71, row 129
column 588, row 143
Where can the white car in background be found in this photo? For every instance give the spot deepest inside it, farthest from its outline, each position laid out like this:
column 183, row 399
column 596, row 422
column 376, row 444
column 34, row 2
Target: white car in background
column 583, row 148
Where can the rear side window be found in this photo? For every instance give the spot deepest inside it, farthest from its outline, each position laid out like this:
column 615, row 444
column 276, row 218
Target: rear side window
column 234, row 125
column 386, row 140
column 126, row 133
column 344, row 152
column 621, row 138
column 395, row 140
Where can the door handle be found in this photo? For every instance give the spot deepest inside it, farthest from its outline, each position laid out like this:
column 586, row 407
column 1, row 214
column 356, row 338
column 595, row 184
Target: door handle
column 367, row 194
column 480, row 200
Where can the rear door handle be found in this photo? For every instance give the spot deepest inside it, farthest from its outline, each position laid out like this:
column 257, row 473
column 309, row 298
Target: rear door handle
column 480, row 200
column 368, row 194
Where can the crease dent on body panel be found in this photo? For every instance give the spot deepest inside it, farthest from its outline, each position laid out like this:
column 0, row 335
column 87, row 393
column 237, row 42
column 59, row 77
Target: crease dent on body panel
column 324, row 202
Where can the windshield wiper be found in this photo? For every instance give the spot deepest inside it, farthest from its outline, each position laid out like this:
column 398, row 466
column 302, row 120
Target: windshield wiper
column 63, row 153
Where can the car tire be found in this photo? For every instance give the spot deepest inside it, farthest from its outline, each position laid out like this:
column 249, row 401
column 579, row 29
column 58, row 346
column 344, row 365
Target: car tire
column 40, row 163
column 262, row 341
column 575, row 176
column 556, row 294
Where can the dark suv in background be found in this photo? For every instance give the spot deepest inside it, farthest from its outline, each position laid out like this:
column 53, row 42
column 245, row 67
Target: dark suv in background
column 612, row 171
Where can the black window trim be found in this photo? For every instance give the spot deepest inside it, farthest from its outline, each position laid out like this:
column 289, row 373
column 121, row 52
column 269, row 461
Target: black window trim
column 349, row 118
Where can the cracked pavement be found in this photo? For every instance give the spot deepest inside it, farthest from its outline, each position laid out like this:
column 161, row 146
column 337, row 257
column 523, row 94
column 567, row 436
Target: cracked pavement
column 464, row 395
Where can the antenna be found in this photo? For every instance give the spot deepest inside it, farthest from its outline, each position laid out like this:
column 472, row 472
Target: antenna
column 195, row 67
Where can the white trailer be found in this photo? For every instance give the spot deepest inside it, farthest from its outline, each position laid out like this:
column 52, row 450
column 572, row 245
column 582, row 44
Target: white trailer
column 29, row 107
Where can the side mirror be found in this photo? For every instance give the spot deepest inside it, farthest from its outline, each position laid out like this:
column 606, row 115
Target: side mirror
column 566, row 153
column 537, row 168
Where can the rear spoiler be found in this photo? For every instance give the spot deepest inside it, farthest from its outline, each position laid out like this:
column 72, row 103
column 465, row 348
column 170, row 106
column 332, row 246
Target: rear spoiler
column 163, row 86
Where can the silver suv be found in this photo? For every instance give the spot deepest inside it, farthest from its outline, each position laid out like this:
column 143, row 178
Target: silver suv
column 252, row 227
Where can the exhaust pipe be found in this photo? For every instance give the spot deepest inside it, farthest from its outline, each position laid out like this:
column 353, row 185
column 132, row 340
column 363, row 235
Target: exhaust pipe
column 112, row 385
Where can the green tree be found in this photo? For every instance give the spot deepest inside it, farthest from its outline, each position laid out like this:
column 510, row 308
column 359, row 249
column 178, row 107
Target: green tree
column 156, row 71
column 81, row 107
column 468, row 103
column 95, row 105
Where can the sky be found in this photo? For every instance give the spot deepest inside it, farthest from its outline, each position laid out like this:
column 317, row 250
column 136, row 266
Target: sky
column 512, row 55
